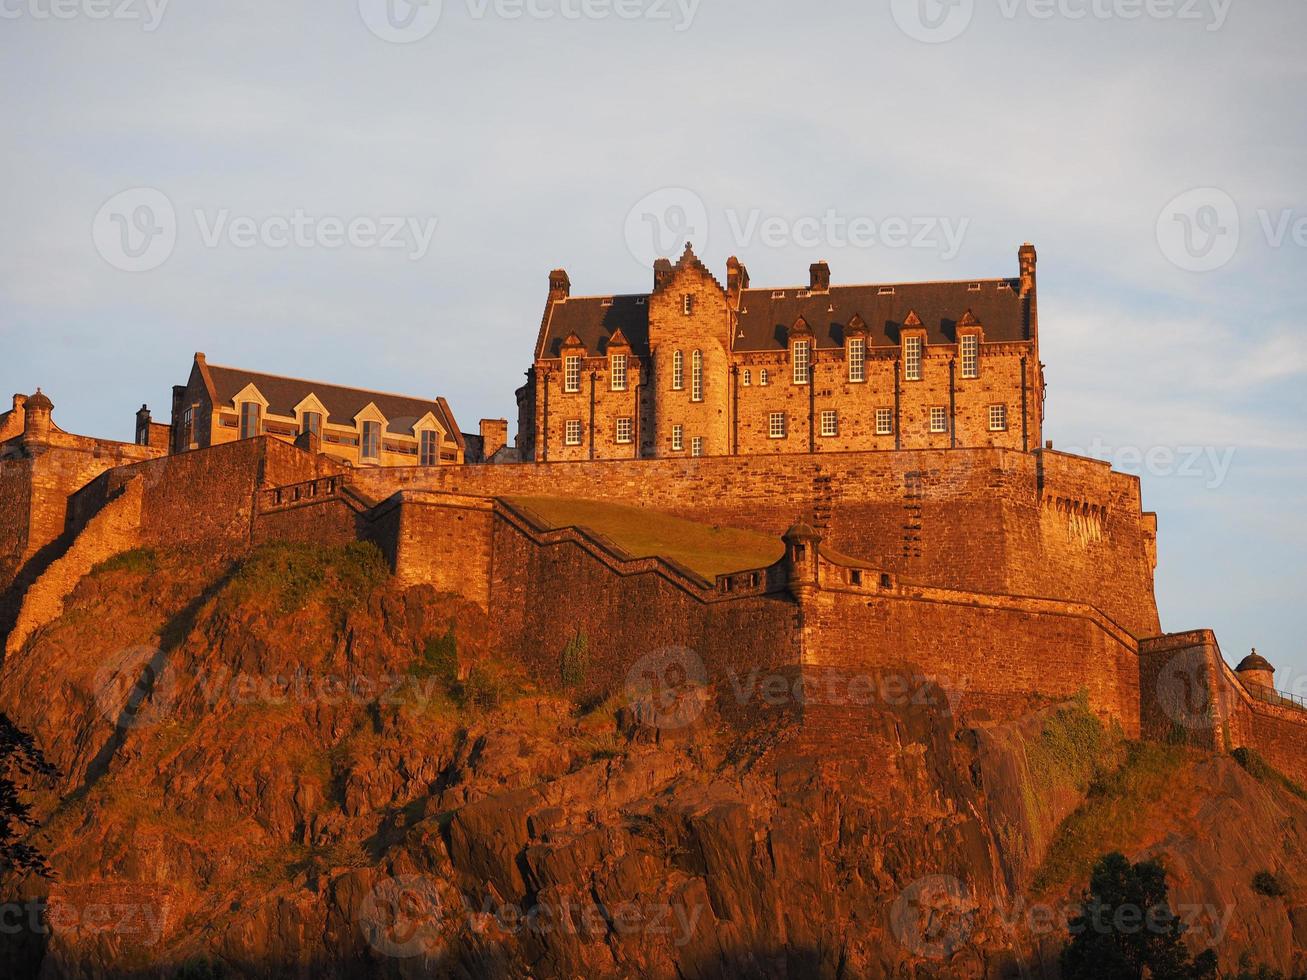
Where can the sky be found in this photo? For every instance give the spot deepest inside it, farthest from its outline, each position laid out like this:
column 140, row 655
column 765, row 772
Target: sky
column 373, row 193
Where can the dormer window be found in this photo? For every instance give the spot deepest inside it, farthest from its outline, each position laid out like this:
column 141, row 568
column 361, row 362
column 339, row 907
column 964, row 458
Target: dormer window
column 912, row 358
column 429, row 448
column 678, row 371
column 572, row 373
column 311, row 422
column 617, row 371
column 251, row 415
column 687, row 304
column 370, row 446
column 802, row 362
column 970, row 347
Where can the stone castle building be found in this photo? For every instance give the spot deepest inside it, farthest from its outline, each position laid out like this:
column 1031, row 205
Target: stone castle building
column 360, row 428
column 695, row 369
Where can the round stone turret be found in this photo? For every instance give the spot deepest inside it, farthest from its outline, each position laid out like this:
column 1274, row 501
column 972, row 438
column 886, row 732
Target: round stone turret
column 36, row 417
column 802, row 545
column 1256, row 671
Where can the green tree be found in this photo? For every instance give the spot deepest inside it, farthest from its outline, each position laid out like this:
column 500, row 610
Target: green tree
column 21, row 762
column 1126, row 930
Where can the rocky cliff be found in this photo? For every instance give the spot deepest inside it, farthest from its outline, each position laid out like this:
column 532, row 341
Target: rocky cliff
column 286, row 765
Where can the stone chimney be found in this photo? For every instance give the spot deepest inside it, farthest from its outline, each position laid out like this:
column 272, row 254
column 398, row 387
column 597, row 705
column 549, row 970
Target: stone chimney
column 36, row 418
column 143, row 426
column 19, row 402
column 494, row 437
column 1028, row 259
column 737, row 279
column 819, row 277
column 560, row 286
column 662, row 272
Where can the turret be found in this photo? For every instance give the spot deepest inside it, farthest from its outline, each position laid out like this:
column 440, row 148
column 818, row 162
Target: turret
column 802, row 546
column 1256, row 671
column 36, row 418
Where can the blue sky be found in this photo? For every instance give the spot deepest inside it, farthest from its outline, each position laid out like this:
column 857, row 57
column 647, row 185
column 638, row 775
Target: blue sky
column 1084, row 126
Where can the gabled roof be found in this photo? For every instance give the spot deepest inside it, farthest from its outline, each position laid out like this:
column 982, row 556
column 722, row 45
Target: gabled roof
column 342, row 404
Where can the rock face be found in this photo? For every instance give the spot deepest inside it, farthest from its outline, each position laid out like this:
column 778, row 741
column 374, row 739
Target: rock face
column 279, row 770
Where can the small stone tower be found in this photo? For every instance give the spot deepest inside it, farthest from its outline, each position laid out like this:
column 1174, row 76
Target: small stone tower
column 802, row 547
column 36, row 419
column 1256, row 671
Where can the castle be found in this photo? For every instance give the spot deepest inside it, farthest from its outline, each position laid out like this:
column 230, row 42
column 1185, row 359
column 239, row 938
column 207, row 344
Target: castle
column 967, row 552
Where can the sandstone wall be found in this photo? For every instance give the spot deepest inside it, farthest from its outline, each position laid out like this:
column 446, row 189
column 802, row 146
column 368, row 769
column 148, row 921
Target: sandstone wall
column 15, row 506
column 981, row 520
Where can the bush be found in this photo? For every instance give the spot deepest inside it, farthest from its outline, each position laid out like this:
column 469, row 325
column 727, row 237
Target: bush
column 139, row 561
column 576, row 661
column 439, row 658
column 1263, row 771
column 1268, row 884
column 289, row 575
column 482, row 690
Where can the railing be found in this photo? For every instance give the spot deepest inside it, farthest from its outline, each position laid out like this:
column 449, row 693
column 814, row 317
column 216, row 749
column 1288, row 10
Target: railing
column 1271, row 696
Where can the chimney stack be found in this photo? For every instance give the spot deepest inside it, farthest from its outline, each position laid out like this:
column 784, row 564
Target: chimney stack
column 494, row 437
column 819, row 277
column 662, row 272
column 737, row 278
column 1028, row 259
column 560, row 286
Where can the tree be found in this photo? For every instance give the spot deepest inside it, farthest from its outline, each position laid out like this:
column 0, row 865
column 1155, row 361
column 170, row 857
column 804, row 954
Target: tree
column 20, row 762
column 1126, row 930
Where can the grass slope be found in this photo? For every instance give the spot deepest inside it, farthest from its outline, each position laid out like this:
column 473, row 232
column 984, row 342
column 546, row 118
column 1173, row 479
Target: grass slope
column 703, row 548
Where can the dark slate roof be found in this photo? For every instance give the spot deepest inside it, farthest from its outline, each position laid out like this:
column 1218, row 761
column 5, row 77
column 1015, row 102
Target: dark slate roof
column 765, row 321
column 594, row 319
column 766, row 316
column 342, row 404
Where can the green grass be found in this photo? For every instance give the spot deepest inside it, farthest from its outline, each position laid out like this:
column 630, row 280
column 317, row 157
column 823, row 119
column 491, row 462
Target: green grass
column 1109, row 820
column 140, row 561
column 703, row 548
column 1264, row 772
column 288, row 576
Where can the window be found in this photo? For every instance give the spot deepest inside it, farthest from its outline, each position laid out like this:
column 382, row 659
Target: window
column 970, row 356
column 250, row 412
column 830, row 423
column 429, row 448
column 776, row 425
column 687, row 304
column 617, row 371
column 696, row 376
column 572, row 373
column 997, row 418
column 678, row 438
column 762, row 376
column 625, row 431
column 939, row 419
column 857, row 359
column 912, row 358
column 678, row 371
column 802, row 362
column 884, row 421
column 696, row 446
column 371, row 446
column 311, row 422
column 572, row 432
column 188, row 427
column 748, row 377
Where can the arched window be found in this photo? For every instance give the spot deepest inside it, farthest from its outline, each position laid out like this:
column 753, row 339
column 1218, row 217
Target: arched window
column 678, row 371
column 696, row 376
column 762, row 376
column 748, row 378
